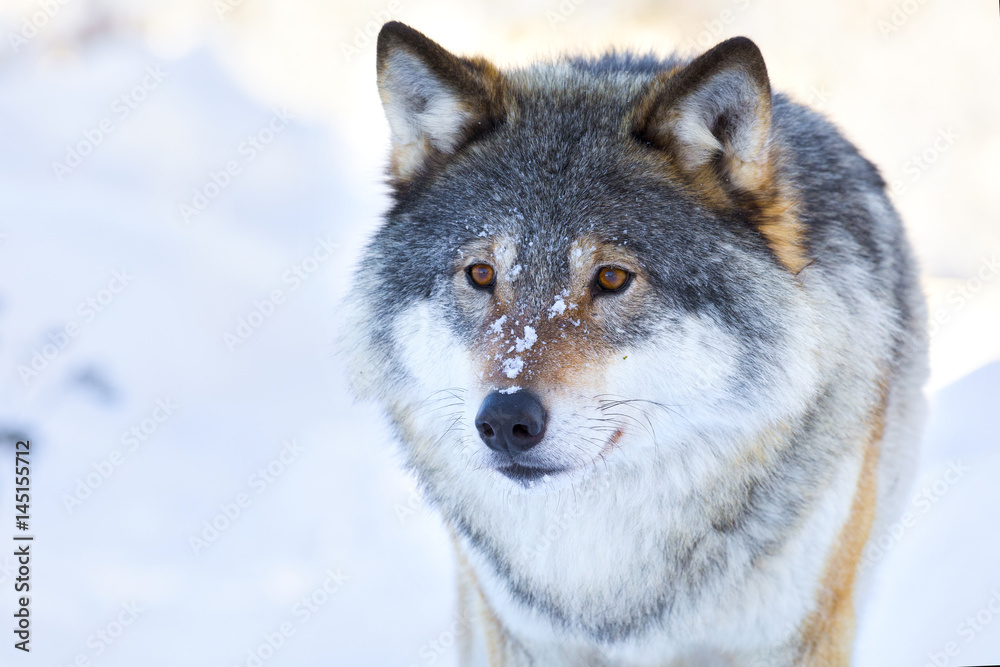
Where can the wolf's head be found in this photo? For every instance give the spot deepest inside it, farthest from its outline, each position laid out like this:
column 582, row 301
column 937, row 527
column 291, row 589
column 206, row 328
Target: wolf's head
column 588, row 263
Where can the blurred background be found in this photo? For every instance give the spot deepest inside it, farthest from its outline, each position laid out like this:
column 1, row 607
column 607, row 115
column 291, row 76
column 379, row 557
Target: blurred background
column 184, row 187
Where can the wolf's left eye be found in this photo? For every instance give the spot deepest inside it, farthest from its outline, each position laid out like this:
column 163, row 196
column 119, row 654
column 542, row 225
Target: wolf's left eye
column 481, row 275
column 612, row 278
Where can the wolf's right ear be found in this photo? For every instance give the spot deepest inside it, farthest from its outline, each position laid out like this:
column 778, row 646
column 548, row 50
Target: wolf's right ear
column 711, row 120
column 434, row 101
column 714, row 116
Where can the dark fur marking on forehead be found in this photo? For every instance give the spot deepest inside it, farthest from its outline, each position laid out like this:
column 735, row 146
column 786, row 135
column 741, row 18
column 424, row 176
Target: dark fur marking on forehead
column 614, row 62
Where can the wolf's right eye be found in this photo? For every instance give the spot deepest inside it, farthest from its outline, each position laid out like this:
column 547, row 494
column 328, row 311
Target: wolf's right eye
column 481, row 275
column 612, row 278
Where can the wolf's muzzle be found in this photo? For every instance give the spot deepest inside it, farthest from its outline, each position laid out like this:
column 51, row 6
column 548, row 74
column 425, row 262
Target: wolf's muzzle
column 511, row 423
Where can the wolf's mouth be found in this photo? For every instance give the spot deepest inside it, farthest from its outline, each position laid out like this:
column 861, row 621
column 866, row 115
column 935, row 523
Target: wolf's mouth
column 526, row 474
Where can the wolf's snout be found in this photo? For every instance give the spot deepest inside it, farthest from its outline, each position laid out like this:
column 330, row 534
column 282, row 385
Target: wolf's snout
column 511, row 423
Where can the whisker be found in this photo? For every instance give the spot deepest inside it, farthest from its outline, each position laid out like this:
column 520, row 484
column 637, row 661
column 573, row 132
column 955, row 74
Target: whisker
column 671, row 410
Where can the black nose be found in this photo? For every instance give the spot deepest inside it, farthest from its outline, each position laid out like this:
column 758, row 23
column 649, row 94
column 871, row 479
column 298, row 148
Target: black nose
column 511, row 423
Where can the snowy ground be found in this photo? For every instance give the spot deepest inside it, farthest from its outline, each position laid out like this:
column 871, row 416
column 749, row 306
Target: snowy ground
column 173, row 292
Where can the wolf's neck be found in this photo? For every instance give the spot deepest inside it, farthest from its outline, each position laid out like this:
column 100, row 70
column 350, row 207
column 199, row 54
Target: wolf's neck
column 616, row 558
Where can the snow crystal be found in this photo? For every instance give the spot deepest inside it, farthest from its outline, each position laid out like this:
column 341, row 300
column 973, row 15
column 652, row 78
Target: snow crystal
column 510, row 390
column 522, row 344
column 560, row 305
column 514, row 271
column 557, row 308
column 497, row 327
column 512, row 367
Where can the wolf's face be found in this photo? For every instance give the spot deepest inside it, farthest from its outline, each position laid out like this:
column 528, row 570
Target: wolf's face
column 583, row 269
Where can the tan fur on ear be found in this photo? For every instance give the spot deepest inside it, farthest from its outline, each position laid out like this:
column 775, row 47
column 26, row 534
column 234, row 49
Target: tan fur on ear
column 712, row 122
column 434, row 101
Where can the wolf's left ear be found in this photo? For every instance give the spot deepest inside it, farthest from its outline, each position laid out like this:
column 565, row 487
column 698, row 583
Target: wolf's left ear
column 434, row 101
column 714, row 115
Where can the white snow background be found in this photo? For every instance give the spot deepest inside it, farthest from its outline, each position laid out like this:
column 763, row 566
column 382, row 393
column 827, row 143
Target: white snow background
column 335, row 508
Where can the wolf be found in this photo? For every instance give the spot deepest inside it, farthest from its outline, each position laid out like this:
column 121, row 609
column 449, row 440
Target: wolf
column 651, row 339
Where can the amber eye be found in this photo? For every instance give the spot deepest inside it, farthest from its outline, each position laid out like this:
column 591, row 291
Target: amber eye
column 612, row 278
column 481, row 275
